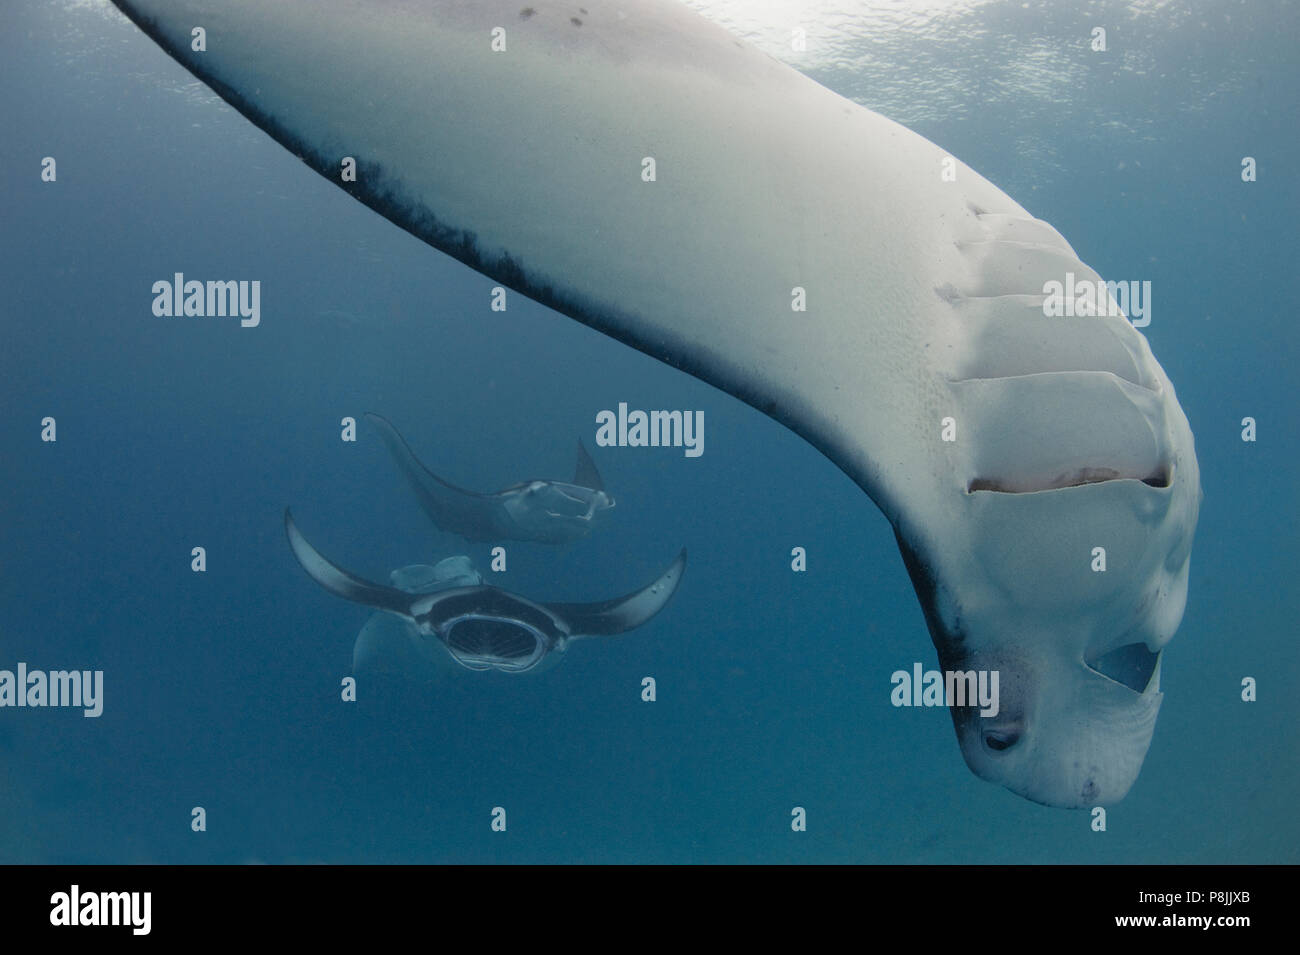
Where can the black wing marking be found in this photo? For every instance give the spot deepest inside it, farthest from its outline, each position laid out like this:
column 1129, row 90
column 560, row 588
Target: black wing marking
column 341, row 583
column 622, row 613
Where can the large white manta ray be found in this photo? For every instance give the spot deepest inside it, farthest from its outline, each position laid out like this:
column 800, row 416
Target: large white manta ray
column 513, row 136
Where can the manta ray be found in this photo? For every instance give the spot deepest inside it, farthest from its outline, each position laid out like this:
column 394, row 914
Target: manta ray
column 644, row 172
column 548, row 512
column 480, row 627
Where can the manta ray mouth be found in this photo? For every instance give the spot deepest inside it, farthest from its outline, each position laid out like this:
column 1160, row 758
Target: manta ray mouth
column 1131, row 665
column 493, row 643
column 567, row 506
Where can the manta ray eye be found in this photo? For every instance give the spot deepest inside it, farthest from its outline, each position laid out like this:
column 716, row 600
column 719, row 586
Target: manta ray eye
column 1001, row 740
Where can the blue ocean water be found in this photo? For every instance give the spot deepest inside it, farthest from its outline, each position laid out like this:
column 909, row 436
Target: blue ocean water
column 222, row 688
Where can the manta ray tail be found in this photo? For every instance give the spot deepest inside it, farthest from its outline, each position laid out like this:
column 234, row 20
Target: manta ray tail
column 624, row 613
column 586, row 475
column 338, row 581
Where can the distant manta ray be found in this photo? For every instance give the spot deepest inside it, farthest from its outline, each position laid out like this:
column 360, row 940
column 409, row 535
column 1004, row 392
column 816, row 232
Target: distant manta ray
column 548, row 512
column 646, row 173
column 479, row 626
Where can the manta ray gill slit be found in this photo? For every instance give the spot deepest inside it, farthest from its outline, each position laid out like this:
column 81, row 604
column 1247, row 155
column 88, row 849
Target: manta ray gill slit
column 1131, row 665
column 1158, row 479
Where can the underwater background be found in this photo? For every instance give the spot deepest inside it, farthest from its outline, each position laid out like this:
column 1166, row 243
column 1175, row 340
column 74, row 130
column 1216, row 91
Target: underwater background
column 222, row 688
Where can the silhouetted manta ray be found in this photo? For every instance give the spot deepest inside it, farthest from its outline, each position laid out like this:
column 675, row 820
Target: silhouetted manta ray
column 548, row 512
column 487, row 628
column 924, row 303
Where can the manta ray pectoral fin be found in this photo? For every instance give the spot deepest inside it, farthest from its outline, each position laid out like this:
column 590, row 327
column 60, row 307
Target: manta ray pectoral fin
column 624, row 613
column 585, row 474
column 422, row 479
column 450, row 507
column 338, row 581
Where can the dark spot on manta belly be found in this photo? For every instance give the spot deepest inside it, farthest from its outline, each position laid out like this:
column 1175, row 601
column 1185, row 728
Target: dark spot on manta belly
column 526, row 12
column 1089, row 790
column 575, row 21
